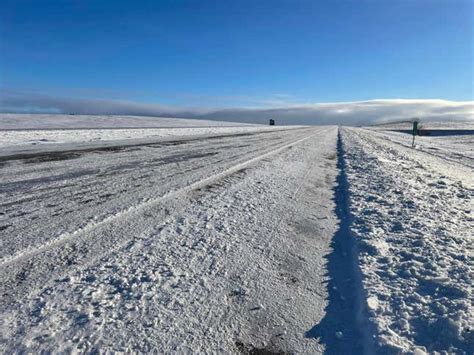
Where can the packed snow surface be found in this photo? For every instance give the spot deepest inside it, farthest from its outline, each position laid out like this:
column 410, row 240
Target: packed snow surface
column 205, row 245
column 252, row 240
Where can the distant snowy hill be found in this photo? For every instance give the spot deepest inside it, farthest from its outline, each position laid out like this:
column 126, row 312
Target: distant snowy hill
column 60, row 121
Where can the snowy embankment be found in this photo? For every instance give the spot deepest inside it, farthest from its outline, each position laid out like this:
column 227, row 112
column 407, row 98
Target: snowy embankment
column 212, row 245
column 18, row 131
column 412, row 218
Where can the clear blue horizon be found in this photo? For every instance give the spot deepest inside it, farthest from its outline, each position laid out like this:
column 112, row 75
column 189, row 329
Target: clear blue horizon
column 240, row 53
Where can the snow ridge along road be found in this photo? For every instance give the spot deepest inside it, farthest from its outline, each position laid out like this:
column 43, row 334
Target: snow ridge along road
column 412, row 221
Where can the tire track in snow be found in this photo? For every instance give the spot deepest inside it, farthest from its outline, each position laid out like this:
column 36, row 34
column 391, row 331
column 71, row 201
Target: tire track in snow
column 136, row 209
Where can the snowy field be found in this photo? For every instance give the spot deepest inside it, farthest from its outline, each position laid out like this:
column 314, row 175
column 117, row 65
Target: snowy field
column 58, row 121
column 249, row 240
column 454, row 125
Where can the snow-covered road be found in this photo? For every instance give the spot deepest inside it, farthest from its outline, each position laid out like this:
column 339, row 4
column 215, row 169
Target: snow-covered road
column 212, row 244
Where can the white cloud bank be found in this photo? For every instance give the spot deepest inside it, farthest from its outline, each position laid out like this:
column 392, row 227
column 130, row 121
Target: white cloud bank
column 347, row 113
column 355, row 113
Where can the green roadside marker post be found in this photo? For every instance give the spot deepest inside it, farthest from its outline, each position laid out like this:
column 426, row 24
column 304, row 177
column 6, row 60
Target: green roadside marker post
column 415, row 132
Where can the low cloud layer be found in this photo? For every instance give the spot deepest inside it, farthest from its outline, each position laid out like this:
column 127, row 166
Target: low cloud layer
column 347, row 113
column 18, row 102
column 357, row 113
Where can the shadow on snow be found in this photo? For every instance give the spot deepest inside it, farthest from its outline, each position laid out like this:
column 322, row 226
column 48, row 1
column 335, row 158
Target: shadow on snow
column 339, row 330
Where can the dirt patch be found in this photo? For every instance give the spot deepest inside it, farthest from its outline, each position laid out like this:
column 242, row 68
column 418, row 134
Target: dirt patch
column 331, row 156
column 252, row 350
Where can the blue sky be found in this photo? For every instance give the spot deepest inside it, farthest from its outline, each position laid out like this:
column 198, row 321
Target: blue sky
column 238, row 53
